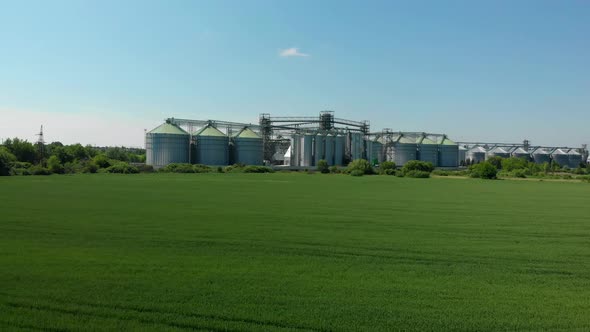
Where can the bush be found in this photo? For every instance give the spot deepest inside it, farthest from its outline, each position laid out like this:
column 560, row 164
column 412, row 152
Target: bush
column 390, row 171
column 219, row 169
column 258, row 169
column 20, row 171
column 102, row 161
column 484, row 170
column 416, row 165
column 334, row 169
column 143, row 168
column 440, row 172
column 54, row 165
column 323, row 167
column 122, row 168
column 185, row 168
column 386, row 166
column 73, row 167
column 518, row 173
column 417, row 174
column 39, row 170
column 360, row 165
column 496, row 162
column 357, row 172
column 91, row 167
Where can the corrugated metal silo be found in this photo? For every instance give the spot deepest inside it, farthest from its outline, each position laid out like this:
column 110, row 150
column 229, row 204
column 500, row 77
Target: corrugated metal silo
column 356, row 146
column 462, row 155
column 448, row 153
column 561, row 157
column 295, row 150
column 376, row 151
column 575, row 158
column 166, row 144
column 428, row 150
column 404, row 150
column 247, row 147
column 476, row 155
column 498, row 152
column 320, row 146
column 329, row 151
column 339, row 142
column 521, row 153
column 540, row 156
column 306, row 150
column 212, row 146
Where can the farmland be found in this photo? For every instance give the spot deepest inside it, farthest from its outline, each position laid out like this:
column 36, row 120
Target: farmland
column 292, row 252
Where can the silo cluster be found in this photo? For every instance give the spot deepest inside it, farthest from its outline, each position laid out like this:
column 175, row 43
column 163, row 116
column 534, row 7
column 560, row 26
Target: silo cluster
column 307, row 149
column 169, row 143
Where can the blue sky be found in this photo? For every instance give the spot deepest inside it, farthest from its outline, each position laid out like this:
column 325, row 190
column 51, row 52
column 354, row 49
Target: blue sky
column 100, row 72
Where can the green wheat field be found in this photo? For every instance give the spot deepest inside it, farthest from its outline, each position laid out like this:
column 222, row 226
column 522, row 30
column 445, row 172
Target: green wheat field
column 292, row 252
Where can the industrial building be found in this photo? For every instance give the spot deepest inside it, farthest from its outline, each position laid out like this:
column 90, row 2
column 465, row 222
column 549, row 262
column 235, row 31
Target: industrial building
column 301, row 142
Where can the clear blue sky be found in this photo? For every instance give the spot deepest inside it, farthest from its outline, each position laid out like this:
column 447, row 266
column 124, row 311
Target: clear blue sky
column 476, row 70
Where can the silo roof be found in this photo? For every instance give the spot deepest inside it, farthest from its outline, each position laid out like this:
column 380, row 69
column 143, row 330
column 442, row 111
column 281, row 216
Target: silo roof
column 427, row 141
column 168, row 128
column 559, row 151
column 540, row 151
column 573, row 152
column 520, row 150
column 447, row 141
column 247, row 133
column 406, row 140
column 478, row 149
column 498, row 150
column 209, row 131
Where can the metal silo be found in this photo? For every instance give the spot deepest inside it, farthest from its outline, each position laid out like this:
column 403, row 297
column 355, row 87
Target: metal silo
column 476, row 155
column 166, row 144
column 498, row 152
column 295, row 150
column 428, row 150
column 306, row 151
column 404, row 150
column 376, row 152
column 247, row 148
column 561, row 157
column 356, row 146
column 540, row 156
column 329, row 151
column 521, row 153
column 320, row 146
column 448, row 153
column 339, row 142
column 211, row 146
column 462, row 155
column 575, row 158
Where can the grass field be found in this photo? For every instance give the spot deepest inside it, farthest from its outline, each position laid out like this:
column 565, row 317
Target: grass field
column 292, row 252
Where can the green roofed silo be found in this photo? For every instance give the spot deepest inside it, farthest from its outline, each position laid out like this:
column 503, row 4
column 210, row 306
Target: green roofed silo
column 428, row 150
column 166, row 144
column 404, row 150
column 211, row 146
column 448, row 153
column 247, row 148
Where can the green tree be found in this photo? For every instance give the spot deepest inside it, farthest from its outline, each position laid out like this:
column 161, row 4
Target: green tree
column 102, row 161
column 359, row 165
column 484, row 170
column 22, row 150
column 511, row 164
column 496, row 161
column 6, row 160
column 54, row 165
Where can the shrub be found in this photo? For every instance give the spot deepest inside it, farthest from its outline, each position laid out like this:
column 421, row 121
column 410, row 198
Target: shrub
column 484, row 170
column 102, row 161
column 39, row 170
column 258, row 169
column 416, row 165
column 334, row 169
column 385, row 166
column 143, row 168
column 200, row 168
column 441, row 172
column 122, row 168
column 496, row 162
column 360, row 165
column 518, row 173
column 323, row 167
column 219, row 169
column 54, row 165
column 357, row 172
column 511, row 164
column 417, row 174
column 20, row 171
column 73, row 167
column 185, row 168
column 390, row 171
column 91, row 167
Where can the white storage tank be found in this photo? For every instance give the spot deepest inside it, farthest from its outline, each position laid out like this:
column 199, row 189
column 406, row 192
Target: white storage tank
column 561, row 157
column 404, row 150
column 540, row 156
column 247, row 148
column 498, row 152
column 211, row 147
column 428, row 150
column 376, row 152
column 575, row 158
column 462, row 155
column 295, row 150
column 476, row 155
column 339, row 142
column 166, row 144
column 306, row 150
column 320, row 146
column 448, row 153
column 521, row 153
column 330, row 148
column 356, row 146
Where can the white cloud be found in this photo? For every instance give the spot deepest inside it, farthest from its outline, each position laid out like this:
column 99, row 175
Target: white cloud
column 293, row 51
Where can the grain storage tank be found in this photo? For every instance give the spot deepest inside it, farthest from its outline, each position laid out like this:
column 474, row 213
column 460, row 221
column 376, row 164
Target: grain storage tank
column 339, row 142
column 247, row 147
column 476, row 155
column 166, row 144
column 295, row 150
column 320, row 145
column 428, row 150
column 376, row 151
column 306, row 152
column 404, row 150
column 521, row 153
column 211, row 146
column 540, row 156
column 575, row 158
column 356, row 146
column 560, row 157
column 448, row 153
column 498, row 152
column 329, row 149
column 462, row 155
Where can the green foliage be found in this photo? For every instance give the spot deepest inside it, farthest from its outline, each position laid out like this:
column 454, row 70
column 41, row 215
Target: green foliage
column 484, row 170
column 122, row 168
column 441, row 172
column 417, row 174
column 511, row 164
column 334, row 169
column 360, row 165
column 496, row 162
column 386, row 168
column 54, row 165
column 357, row 172
column 91, row 167
column 23, row 150
column 185, row 168
column 6, row 160
column 39, row 170
column 416, row 165
column 323, row 166
column 102, row 161
column 257, row 169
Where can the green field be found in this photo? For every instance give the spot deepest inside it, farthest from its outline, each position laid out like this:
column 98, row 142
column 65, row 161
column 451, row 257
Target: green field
column 292, row 252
